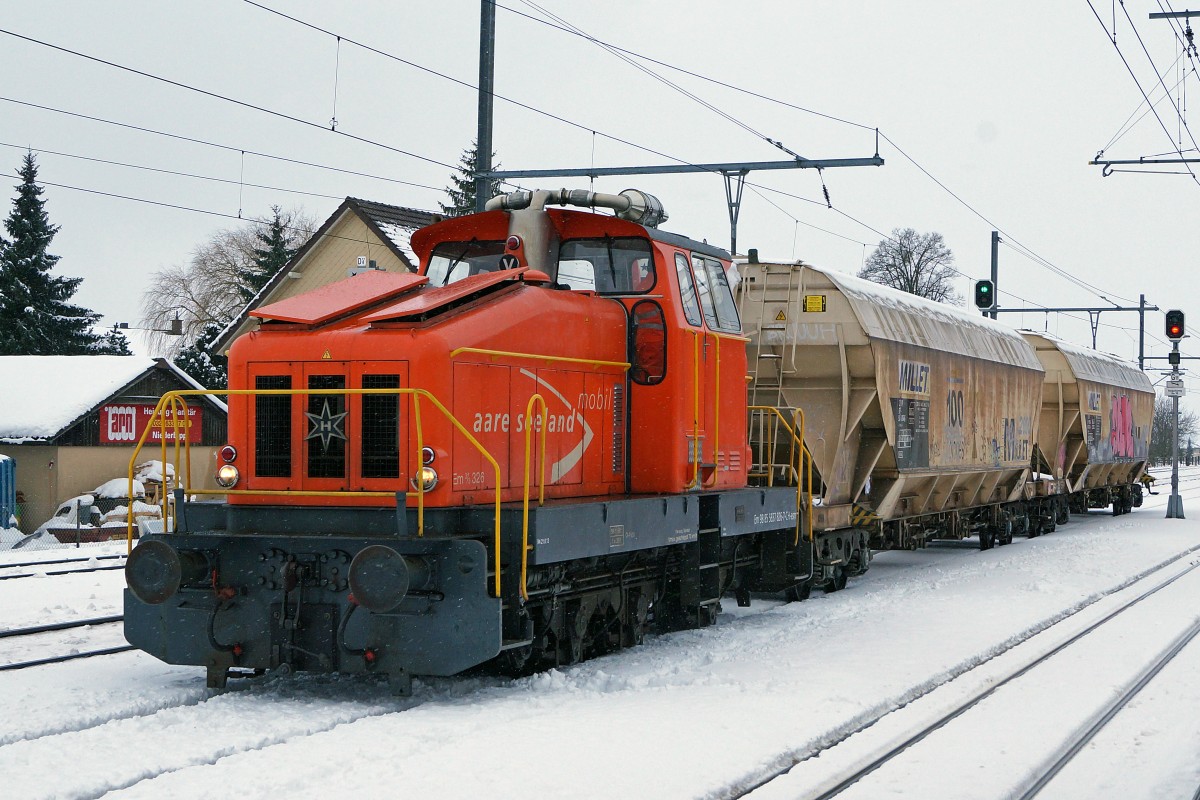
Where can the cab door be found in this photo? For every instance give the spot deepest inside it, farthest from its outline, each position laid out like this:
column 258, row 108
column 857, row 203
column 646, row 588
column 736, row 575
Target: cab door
column 720, row 376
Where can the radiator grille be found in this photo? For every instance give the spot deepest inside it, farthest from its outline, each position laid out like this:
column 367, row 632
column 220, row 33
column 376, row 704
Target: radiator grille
column 380, row 428
column 273, row 428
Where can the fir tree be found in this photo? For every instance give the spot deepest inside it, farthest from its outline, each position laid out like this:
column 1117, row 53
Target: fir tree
column 272, row 250
column 196, row 360
column 462, row 193
column 36, row 315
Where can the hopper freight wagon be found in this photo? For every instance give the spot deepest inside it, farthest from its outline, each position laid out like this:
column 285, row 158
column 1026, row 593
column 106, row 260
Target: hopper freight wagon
column 921, row 417
column 1094, row 434
column 530, row 452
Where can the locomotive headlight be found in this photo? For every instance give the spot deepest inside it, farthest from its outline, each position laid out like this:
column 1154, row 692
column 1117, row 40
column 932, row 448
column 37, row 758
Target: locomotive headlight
column 227, row 476
column 428, row 477
column 427, row 455
column 228, row 453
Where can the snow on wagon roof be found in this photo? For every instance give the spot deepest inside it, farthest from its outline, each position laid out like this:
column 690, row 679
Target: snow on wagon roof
column 1093, row 365
column 893, row 315
column 41, row 395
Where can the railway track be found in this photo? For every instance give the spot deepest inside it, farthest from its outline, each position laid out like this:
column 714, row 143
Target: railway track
column 13, row 634
column 1092, row 616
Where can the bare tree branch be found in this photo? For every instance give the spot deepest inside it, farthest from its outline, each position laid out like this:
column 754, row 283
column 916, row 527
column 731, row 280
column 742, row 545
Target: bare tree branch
column 917, row 263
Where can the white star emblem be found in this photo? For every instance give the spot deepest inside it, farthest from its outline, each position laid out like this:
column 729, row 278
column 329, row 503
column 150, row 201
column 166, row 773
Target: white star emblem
column 326, row 426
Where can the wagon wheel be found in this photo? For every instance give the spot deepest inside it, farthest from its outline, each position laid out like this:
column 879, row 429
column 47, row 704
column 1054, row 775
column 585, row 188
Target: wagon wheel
column 987, row 538
column 837, row 582
column 1062, row 513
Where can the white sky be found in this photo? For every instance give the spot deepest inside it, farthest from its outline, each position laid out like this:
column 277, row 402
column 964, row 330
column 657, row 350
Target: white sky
column 1004, row 103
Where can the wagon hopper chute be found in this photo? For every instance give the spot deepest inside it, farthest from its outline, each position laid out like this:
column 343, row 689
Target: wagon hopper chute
column 920, row 417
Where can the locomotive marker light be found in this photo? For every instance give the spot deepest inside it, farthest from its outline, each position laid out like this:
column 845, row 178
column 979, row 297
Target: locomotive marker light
column 985, row 294
column 380, row 577
column 1175, row 328
column 155, row 570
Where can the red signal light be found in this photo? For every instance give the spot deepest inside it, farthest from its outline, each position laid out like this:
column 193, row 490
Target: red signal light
column 1175, row 326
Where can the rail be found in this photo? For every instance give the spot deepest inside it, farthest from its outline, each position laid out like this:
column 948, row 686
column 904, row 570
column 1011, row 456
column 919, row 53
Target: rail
column 166, row 413
column 799, row 461
column 538, row 399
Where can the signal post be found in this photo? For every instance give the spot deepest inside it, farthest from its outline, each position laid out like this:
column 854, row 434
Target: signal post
column 1175, row 331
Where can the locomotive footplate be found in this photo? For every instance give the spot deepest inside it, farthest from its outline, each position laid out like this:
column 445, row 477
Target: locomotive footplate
column 589, row 529
column 322, row 604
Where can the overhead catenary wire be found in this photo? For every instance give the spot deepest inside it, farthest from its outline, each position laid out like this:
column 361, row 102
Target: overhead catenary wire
column 169, row 172
column 1029, row 254
column 224, row 98
column 1136, row 80
column 230, row 148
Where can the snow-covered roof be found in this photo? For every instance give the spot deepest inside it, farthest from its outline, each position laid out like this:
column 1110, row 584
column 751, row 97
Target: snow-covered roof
column 42, row 395
column 1092, row 365
column 893, row 315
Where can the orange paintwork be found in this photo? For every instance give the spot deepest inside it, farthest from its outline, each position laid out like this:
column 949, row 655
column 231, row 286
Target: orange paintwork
column 607, row 435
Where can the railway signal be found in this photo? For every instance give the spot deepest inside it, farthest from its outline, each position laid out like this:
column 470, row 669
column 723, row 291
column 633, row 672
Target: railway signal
column 1175, row 329
column 985, row 294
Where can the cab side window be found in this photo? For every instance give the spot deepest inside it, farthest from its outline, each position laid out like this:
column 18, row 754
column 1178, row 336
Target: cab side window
column 716, row 298
column 687, row 290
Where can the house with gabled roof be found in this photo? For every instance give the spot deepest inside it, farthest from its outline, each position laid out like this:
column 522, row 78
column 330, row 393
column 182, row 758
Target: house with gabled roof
column 71, row 423
column 359, row 235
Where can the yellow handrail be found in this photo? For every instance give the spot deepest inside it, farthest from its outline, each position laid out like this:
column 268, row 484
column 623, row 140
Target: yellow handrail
column 170, row 398
column 536, row 398
column 624, row 365
column 804, row 480
column 696, row 381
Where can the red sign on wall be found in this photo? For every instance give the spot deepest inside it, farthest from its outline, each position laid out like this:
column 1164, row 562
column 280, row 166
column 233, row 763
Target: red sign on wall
column 124, row 423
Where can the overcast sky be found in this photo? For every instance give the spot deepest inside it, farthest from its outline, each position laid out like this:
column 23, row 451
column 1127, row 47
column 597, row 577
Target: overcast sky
column 1002, row 103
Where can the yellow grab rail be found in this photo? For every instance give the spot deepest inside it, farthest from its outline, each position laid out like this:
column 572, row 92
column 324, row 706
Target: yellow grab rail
column 536, row 398
column 623, row 365
column 170, row 399
column 804, row 482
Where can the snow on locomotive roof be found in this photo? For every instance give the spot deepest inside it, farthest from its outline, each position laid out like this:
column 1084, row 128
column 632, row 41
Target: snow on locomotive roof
column 1093, row 365
column 893, row 315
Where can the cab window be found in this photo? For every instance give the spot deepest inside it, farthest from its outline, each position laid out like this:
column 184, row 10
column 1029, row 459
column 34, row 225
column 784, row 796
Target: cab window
column 453, row 261
column 715, row 296
column 687, row 290
column 607, row 266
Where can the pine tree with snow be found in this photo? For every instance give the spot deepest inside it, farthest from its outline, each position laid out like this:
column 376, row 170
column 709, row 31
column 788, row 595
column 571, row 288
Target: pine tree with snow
column 36, row 315
column 462, row 193
column 196, row 360
column 274, row 247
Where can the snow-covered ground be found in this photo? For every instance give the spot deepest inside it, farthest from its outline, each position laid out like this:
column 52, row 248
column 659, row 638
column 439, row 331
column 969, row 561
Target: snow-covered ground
column 694, row 714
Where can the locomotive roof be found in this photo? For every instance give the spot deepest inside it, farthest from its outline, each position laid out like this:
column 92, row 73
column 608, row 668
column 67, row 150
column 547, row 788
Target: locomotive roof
column 893, row 315
column 683, row 242
column 1092, row 365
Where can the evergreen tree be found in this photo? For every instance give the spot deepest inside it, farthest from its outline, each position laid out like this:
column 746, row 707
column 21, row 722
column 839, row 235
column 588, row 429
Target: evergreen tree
column 36, row 315
column 462, row 193
column 272, row 250
column 114, row 343
column 196, row 360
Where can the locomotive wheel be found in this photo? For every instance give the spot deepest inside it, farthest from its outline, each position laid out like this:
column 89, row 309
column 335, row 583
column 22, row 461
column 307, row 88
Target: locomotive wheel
column 798, row 593
column 1062, row 513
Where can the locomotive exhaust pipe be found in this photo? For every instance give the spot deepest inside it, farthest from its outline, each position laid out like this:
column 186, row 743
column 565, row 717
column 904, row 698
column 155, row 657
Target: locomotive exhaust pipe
column 380, row 577
column 631, row 204
column 155, row 570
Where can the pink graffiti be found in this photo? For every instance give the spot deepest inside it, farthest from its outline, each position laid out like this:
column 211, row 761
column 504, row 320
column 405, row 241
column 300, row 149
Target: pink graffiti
column 1121, row 432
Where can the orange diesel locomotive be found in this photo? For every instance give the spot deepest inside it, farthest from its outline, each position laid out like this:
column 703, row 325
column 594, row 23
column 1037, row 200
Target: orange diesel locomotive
column 530, row 452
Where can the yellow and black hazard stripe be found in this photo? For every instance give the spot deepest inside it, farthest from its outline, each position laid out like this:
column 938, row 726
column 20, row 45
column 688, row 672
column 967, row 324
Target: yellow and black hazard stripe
column 862, row 517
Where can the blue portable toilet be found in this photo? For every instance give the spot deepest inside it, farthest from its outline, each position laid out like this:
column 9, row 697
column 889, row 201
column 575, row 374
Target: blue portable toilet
column 8, row 492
